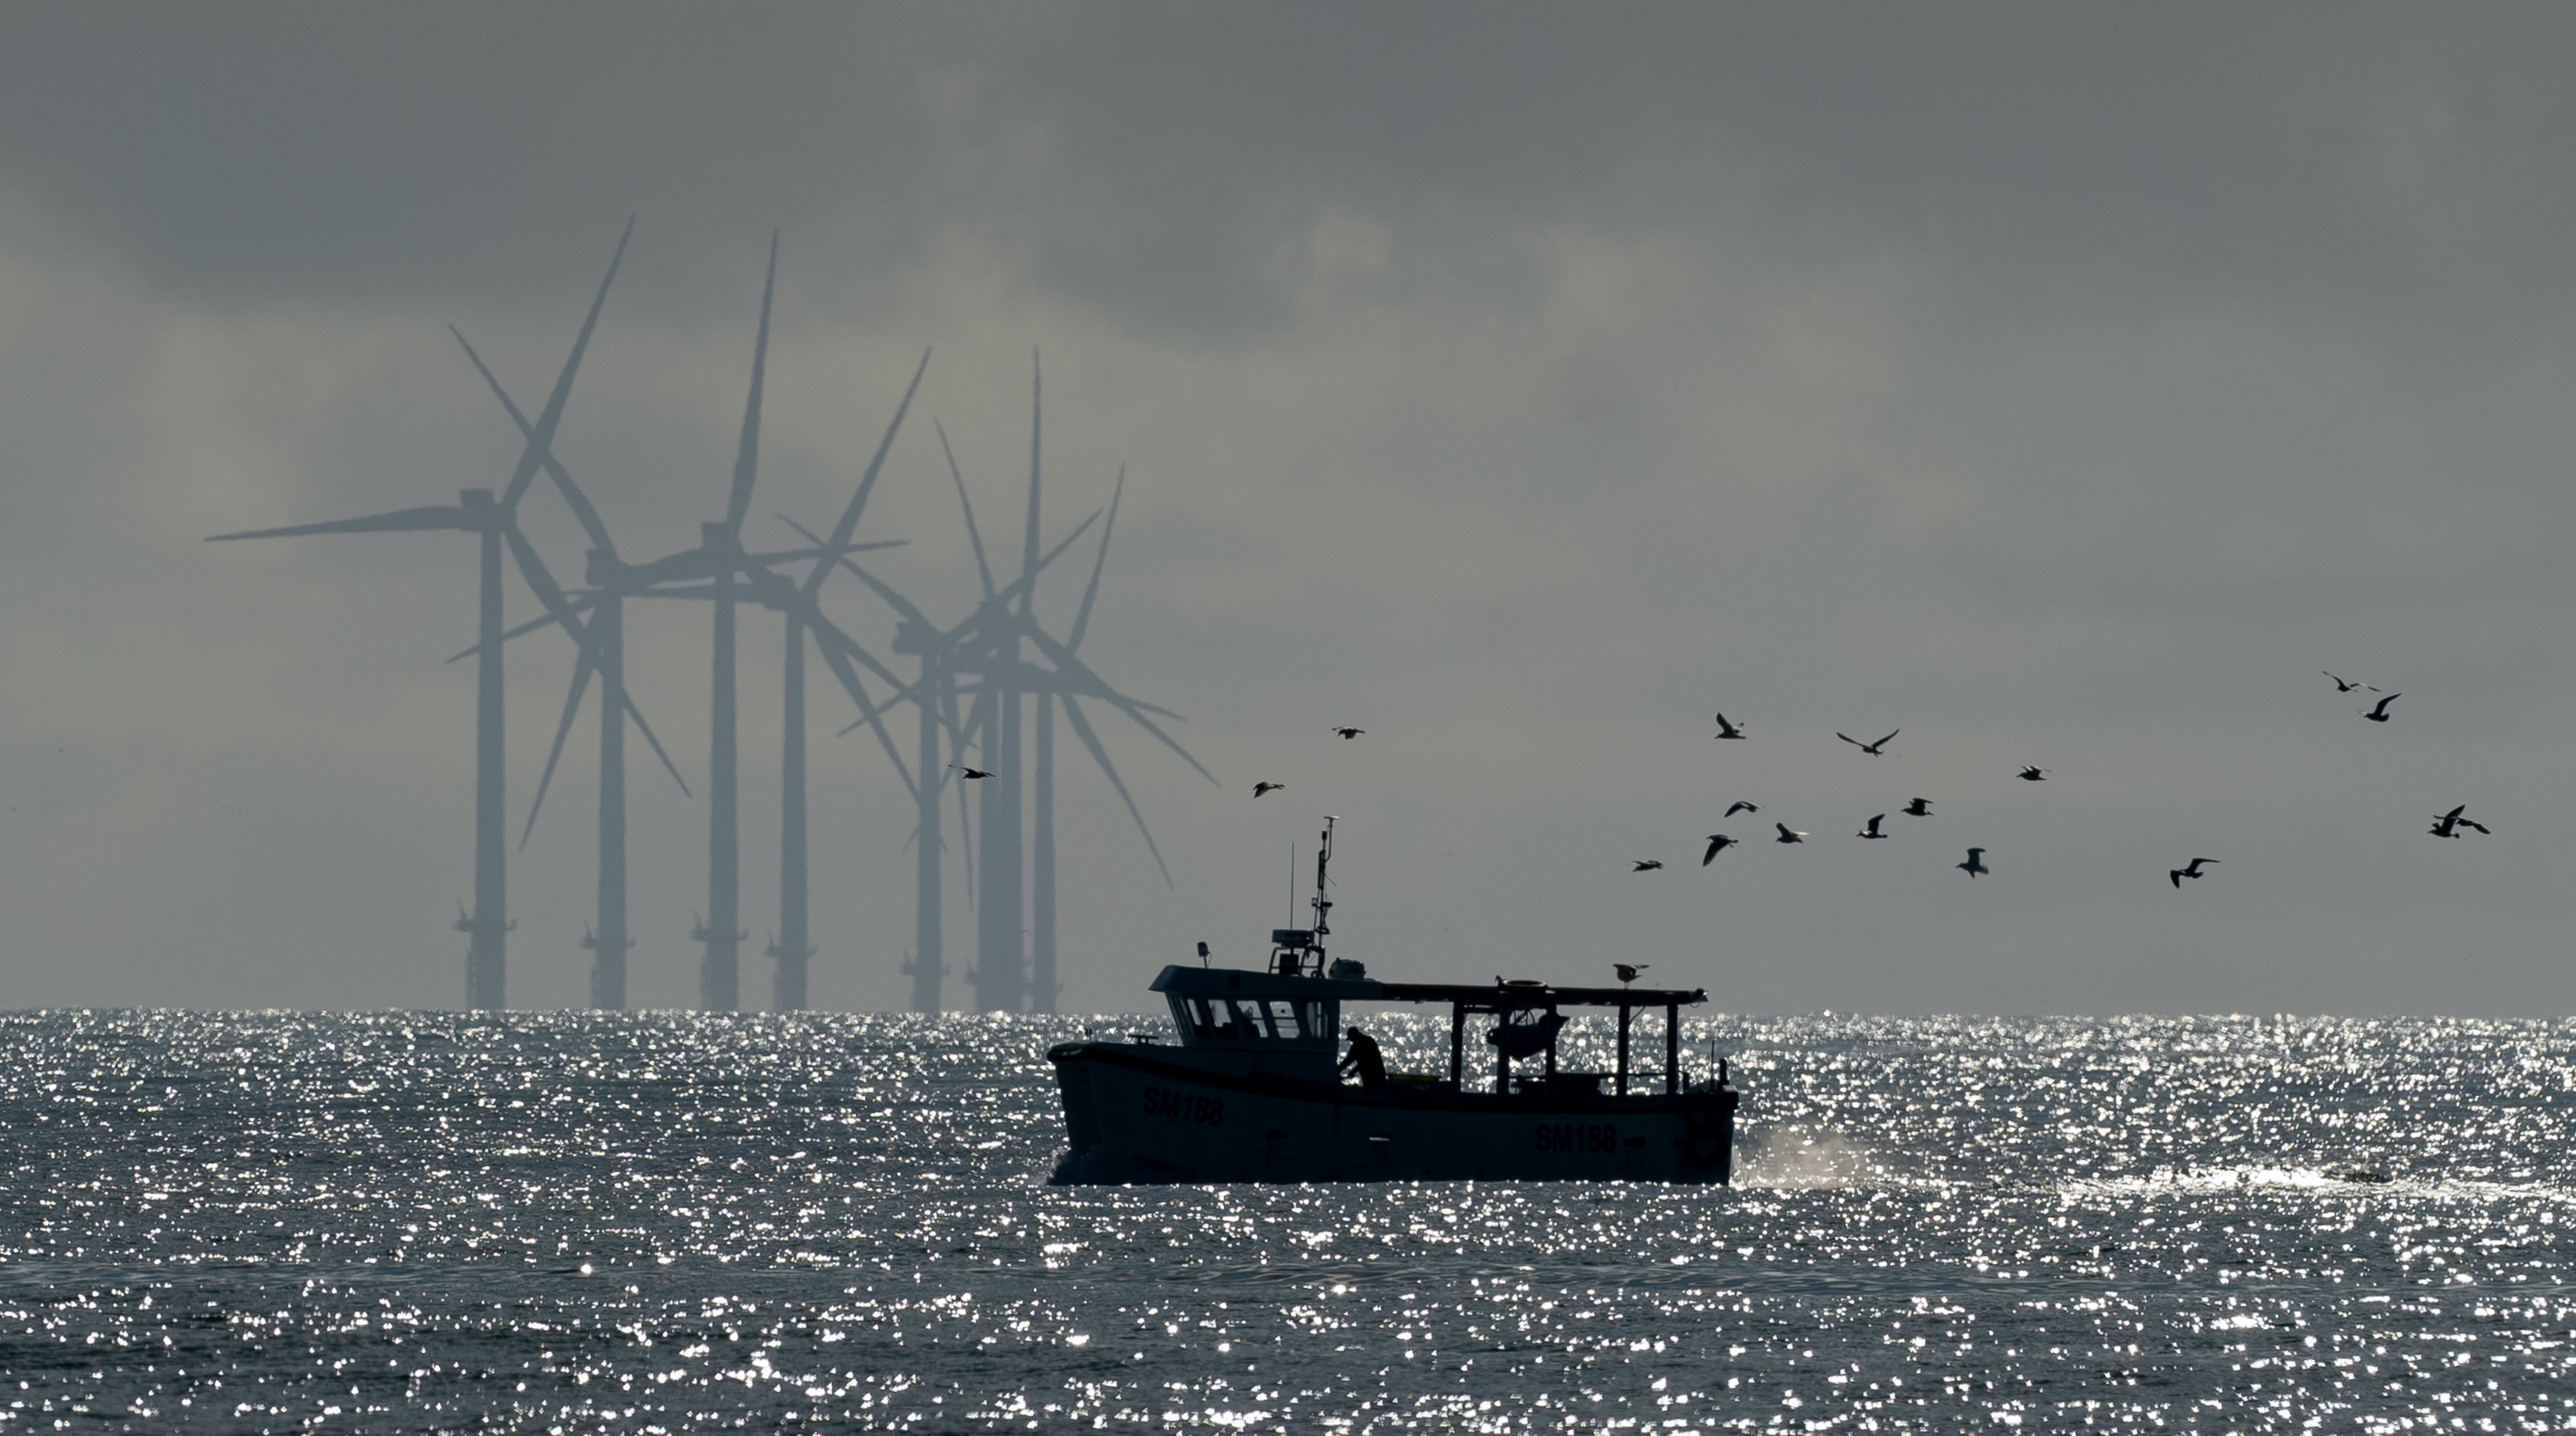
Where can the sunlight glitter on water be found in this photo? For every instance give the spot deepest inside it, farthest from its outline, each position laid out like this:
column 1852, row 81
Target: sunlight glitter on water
column 664, row 1222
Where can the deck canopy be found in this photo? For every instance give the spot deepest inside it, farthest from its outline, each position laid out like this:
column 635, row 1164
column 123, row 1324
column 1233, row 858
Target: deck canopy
column 1527, row 1022
column 1486, row 997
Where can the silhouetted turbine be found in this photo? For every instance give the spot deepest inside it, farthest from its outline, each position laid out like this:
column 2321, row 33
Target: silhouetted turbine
column 986, row 646
column 719, row 562
column 495, row 523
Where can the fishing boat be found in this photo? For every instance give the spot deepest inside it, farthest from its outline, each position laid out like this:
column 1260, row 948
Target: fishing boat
column 1249, row 1088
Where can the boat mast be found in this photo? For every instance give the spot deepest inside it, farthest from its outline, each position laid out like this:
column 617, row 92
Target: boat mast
column 1322, row 905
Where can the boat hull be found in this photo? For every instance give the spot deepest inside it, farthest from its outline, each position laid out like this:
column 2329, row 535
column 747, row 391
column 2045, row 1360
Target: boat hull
column 1144, row 1113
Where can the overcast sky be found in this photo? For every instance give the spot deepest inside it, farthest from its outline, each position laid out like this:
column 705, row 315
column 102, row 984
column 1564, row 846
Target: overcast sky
column 2058, row 385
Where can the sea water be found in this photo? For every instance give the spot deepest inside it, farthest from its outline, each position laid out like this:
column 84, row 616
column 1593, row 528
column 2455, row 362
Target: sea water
column 664, row 1223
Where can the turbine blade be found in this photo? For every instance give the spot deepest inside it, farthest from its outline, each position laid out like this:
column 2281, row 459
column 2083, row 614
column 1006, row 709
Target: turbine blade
column 983, row 570
column 587, row 600
column 1100, row 755
column 442, row 516
column 628, row 701
column 818, row 549
column 543, row 585
column 1082, row 619
column 544, row 457
column 868, row 481
column 746, row 457
column 837, row 650
column 894, row 600
column 1029, row 539
column 1073, row 666
column 573, row 497
column 994, row 602
column 544, row 438
column 563, row 729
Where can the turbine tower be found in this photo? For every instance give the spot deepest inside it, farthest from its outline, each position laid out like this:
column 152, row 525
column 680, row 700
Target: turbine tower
column 495, row 523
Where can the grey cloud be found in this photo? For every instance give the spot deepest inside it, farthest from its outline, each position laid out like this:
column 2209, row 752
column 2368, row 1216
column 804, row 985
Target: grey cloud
column 2389, row 159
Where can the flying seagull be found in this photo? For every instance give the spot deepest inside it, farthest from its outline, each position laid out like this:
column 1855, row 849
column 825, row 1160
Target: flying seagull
column 2034, row 775
column 1644, row 865
column 1741, row 807
column 1350, row 733
column 1872, row 749
column 1976, row 863
column 2345, row 686
column 1871, row 830
column 2189, row 870
column 1726, row 729
column 1264, row 786
column 1717, row 843
column 1789, row 834
column 2380, row 713
column 972, row 773
column 1628, row 970
column 2449, row 824
column 1920, row 808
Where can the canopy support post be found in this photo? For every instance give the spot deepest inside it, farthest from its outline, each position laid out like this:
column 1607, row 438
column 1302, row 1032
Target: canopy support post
column 1672, row 1049
column 1620, row 1083
column 1457, row 1045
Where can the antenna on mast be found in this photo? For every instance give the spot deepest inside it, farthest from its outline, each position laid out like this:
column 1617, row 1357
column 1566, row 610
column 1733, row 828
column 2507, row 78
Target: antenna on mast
column 1323, row 905
column 1299, row 951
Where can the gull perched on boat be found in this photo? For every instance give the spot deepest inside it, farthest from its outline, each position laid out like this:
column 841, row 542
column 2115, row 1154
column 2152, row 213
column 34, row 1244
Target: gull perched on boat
column 1350, row 733
column 2033, row 775
column 2449, row 824
column 1266, row 786
column 1644, row 865
column 1870, row 830
column 2380, row 713
column 1920, row 808
column 1976, row 863
column 1789, row 834
column 1726, row 729
column 2343, row 685
column 1628, row 971
column 1717, row 843
column 1740, row 806
column 2189, row 870
column 1872, row 749
column 971, row 773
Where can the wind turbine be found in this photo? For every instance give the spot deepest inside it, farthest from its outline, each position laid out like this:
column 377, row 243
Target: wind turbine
column 605, row 653
column 986, row 646
column 720, row 562
column 718, row 569
column 943, row 654
column 495, row 523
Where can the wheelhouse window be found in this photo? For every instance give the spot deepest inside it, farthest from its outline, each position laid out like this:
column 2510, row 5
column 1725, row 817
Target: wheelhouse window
column 1254, row 1019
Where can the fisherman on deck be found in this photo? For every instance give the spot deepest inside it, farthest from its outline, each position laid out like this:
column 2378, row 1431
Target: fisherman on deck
column 1364, row 1060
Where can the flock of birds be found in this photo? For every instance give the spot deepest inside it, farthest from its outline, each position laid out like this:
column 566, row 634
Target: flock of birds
column 2446, row 825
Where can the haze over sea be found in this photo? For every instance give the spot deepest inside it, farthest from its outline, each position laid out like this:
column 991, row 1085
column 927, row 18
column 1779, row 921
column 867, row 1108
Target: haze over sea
column 661, row 1223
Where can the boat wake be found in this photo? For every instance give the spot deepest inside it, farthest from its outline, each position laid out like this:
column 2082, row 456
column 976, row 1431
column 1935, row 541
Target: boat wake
column 1792, row 1158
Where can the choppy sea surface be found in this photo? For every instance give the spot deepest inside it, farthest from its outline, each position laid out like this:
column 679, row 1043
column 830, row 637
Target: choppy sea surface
column 664, row 1223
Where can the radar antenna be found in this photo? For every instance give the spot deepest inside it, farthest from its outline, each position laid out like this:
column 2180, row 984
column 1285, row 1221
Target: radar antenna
column 1299, row 951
